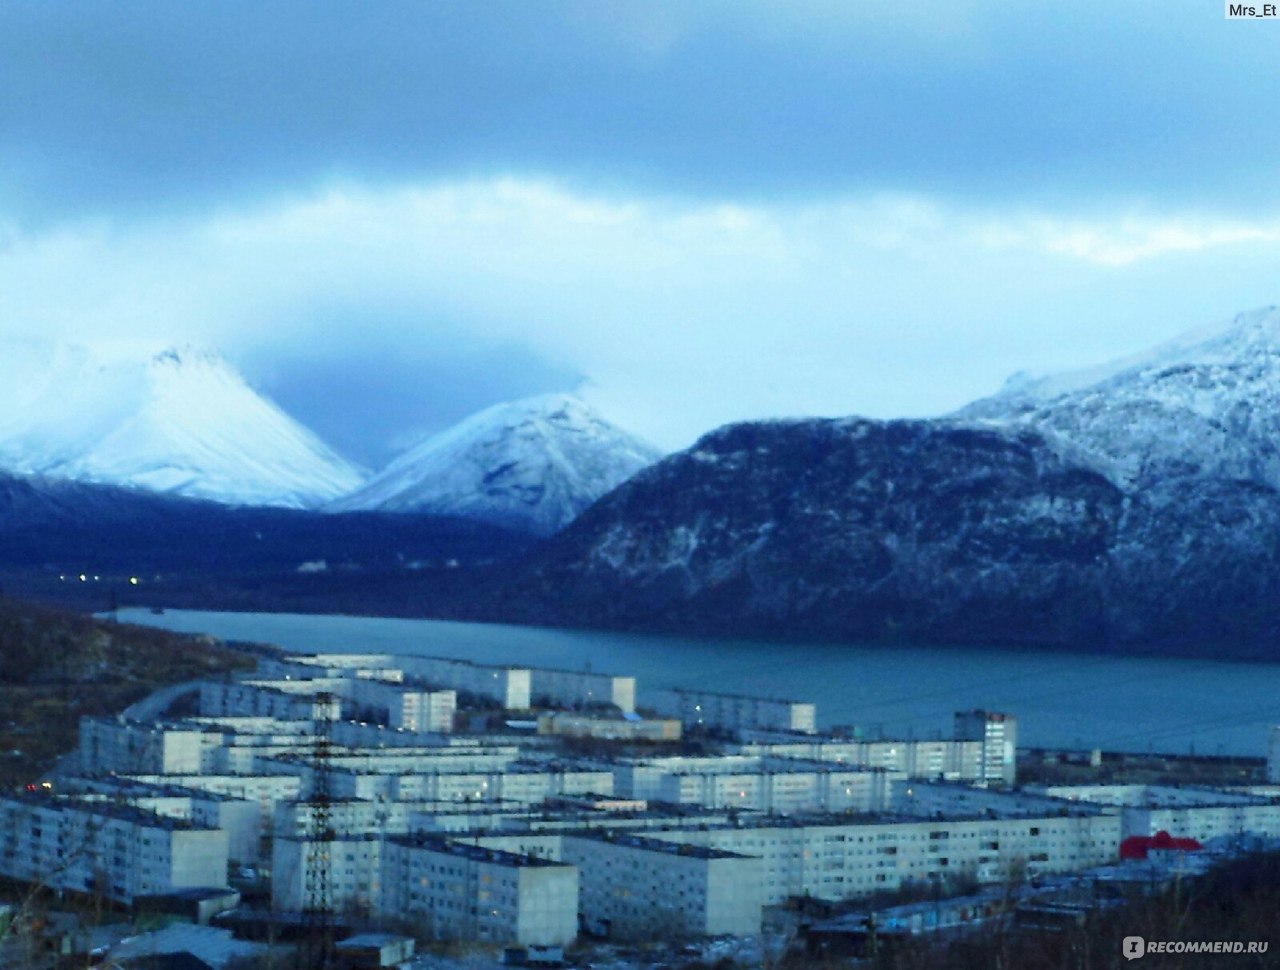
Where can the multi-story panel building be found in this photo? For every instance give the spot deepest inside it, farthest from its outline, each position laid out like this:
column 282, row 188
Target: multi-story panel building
column 408, row 708
column 836, row 857
column 372, row 666
column 266, row 790
column 116, row 744
column 508, row 686
column 458, row 891
column 116, row 851
column 732, row 712
column 784, row 789
column 999, row 736
column 634, row 887
column 240, row 818
column 285, row 699
column 530, row 784
column 1183, row 812
column 950, row 759
column 351, row 867
column 359, row 817
column 755, row 783
column 578, row 689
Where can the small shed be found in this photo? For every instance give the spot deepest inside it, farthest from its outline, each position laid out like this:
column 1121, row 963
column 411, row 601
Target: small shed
column 374, row 950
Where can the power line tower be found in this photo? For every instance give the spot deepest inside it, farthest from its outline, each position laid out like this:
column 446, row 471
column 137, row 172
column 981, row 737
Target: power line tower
column 318, row 912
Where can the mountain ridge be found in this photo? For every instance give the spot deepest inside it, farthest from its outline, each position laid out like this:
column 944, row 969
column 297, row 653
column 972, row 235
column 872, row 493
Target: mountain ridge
column 1205, row 403
column 1064, row 521
column 532, row 464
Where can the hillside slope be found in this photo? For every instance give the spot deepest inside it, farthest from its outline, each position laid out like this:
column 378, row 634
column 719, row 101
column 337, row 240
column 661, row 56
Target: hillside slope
column 933, row 531
column 57, row 666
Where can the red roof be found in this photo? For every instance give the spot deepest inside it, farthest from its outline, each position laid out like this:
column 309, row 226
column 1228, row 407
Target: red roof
column 1137, row 846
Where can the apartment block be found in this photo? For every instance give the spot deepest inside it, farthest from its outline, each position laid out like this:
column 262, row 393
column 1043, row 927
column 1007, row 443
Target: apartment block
column 1183, row 812
column 999, row 736
column 841, row 857
column 372, row 666
column 633, row 887
column 732, row 712
column 116, row 744
column 530, row 784
column 114, row 850
column 575, row 689
column 266, row 790
column 406, row 708
column 284, row 699
column 754, row 783
column 636, row 887
column 353, row 865
column 949, row 759
column 508, row 686
column 456, row 891
column 240, row 818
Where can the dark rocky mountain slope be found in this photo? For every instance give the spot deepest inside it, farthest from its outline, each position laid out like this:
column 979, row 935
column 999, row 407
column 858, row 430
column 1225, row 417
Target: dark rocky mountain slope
column 929, row 530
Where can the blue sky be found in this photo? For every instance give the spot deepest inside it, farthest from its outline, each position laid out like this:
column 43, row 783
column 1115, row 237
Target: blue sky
column 391, row 214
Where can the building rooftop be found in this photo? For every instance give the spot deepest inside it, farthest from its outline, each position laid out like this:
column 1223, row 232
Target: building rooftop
column 108, row 809
column 476, row 853
column 657, row 845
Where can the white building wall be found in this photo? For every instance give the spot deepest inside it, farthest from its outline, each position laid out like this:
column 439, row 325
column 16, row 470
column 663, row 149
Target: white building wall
column 1183, row 812
column 245, row 699
column 999, row 736
column 732, row 712
column 635, row 888
column 840, row 860
column 466, row 892
column 354, row 873
column 405, row 708
column 573, row 689
column 509, row 686
column 120, row 853
column 109, row 745
column 946, row 759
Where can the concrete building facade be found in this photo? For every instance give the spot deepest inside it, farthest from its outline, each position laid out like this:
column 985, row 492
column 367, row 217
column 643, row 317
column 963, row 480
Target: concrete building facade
column 633, row 887
column 732, row 712
column 453, row 890
column 117, row 851
column 578, row 689
column 999, row 736
column 403, row 707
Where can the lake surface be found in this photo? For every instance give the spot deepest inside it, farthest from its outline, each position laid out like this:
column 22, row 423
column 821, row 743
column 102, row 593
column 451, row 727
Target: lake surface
column 1060, row 699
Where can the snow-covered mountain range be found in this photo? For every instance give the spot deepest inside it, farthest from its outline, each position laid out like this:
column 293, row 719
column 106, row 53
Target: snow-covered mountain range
column 1206, row 403
column 532, row 464
column 1133, row 504
column 181, row 422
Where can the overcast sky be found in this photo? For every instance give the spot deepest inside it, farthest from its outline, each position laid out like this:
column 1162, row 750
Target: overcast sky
column 390, row 214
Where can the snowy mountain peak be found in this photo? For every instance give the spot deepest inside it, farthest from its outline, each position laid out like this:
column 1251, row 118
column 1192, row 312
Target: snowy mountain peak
column 532, row 464
column 182, row 421
column 190, row 355
column 1206, row 402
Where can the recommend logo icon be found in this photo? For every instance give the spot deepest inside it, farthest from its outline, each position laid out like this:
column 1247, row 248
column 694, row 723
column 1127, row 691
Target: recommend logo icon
column 1133, row 947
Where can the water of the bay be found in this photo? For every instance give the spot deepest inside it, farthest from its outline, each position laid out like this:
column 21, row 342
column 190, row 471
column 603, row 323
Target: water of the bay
column 1077, row 700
